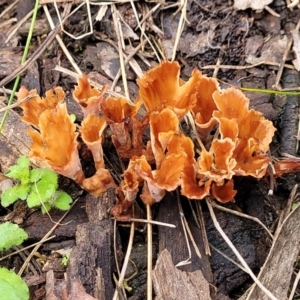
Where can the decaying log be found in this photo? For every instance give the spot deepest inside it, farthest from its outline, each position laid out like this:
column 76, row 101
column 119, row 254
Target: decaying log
column 171, row 283
column 276, row 273
column 14, row 140
column 174, row 240
column 92, row 261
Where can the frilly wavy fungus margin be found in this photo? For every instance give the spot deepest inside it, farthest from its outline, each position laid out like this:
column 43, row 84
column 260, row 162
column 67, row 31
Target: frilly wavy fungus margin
column 167, row 160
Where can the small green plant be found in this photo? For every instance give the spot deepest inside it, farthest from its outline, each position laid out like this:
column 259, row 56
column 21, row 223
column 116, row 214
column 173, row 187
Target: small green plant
column 65, row 259
column 37, row 186
column 11, row 285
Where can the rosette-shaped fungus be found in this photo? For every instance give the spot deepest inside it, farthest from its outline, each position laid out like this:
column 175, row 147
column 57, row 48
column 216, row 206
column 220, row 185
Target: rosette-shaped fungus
column 248, row 129
column 56, row 143
column 171, row 150
column 87, row 97
column 212, row 175
column 33, row 108
column 161, row 87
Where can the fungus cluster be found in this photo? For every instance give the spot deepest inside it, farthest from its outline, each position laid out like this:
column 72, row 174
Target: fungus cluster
column 168, row 159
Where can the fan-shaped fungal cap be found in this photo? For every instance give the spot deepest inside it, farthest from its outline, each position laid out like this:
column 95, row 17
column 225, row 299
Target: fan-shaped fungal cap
column 91, row 130
column 56, row 144
column 160, row 88
column 163, row 125
column 234, row 105
column 87, row 97
column 218, row 163
column 205, row 105
column 33, row 108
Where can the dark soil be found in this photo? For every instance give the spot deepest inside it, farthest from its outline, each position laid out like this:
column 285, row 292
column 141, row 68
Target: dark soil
column 214, row 34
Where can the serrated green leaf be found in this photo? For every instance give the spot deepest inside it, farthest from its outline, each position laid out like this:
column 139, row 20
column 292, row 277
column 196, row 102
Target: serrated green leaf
column 22, row 191
column 20, row 170
column 10, row 235
column 33, row 199
column 45, row 189
column 44, row 174
column 50, row 176
column 12, row 286
column 46, row 207
column 63, row 200
column 14, row 193
column 35, row 175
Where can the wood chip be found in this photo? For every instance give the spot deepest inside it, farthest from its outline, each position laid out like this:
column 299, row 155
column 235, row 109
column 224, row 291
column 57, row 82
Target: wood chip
column 171, row 283
column 276, row 273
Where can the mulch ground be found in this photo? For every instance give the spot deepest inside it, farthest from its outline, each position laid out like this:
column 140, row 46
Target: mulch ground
column 243, row 48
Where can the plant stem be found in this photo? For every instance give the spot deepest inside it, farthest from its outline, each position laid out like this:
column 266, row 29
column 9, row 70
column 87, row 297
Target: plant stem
column 24, row 57
column 149, row 256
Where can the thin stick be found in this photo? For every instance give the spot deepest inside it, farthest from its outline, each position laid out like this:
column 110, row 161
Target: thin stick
column 35, row 249
column 32, row 58
column 228, row 258
column 18, row 103
column 281, row 66
column 202, row 228
column 235, row 251
column 181, row 214
column 152, row 222
column 180, row 27
column 270, row 63
column 127, row 60
column 295, row 285
column 24, row 57
column 60, row 41
column 149, row 252
column 118, row 30
column 115, row 253
column 25, row 248
column 93, row 83
column 143, row 31
column 8, row 8
column 126, row 260
column 187, row 233
column 243, row 216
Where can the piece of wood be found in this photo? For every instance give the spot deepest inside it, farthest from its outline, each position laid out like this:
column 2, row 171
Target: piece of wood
column 92, row 260
column 171, row 283
column 174, row 240
column 14, row 140
column 276, row 273
column 75, row 217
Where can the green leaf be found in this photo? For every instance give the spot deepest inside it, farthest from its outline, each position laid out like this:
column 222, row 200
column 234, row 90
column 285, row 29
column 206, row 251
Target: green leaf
column 35, row 175
column 10, row 235
column 45, row 189
column 50, row 176
column 46, row 207
column 14, row 193
column 20, row 170
column 33, row 199
column 12, row 286
column 63, row 200
column 44, row 174
column 65, row 259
